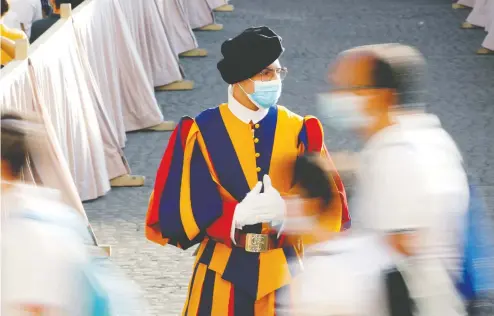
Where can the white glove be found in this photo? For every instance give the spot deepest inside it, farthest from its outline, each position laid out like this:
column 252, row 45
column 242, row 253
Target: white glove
column 275, row 204
column 258, row 207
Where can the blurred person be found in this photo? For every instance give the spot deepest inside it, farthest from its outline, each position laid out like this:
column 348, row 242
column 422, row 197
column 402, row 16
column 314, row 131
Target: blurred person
column 39, row 260
column 345, row 274
column 8, row 36
column 412, row 187
column 22, row 14
column 223, row 181
column 40, row 26
column 49, row 265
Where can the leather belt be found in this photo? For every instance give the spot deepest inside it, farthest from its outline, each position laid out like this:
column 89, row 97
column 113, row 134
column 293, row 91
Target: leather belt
column 256, row 242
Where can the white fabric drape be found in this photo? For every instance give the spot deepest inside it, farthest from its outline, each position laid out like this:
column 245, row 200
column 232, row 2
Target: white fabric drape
column 102, row 58
column 489, row 40
column 467, row 3
column 116, row 164
column 489, row 17
column 213, row 4
column 148, row 32
column 63, row 91
column 478, row 16
column 198, row 12
column 126, row 89
column 177, row 26
column 47, row 160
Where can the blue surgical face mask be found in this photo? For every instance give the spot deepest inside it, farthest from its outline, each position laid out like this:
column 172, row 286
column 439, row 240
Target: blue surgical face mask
column 266, row 93
column 344, row 111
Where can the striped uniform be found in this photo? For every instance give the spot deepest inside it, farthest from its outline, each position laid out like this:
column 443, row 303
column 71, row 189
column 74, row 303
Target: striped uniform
column 209, row 166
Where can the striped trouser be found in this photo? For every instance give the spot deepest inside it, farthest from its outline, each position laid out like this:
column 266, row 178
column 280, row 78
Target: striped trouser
column 209, row 294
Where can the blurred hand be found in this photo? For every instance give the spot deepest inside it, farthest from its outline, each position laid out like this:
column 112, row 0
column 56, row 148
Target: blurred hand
column 344, row 161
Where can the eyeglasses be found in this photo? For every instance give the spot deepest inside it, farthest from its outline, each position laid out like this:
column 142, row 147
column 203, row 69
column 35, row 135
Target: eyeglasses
column 269, row 74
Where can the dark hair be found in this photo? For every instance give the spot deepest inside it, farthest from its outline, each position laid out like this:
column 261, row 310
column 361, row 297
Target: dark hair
column 383, row 75
column 312, row 178
column 404, row 77
column 5, row 7
column 13, row 147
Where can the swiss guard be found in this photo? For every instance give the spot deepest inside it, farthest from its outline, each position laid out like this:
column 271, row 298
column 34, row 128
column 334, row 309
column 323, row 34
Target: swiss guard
column 224, row 180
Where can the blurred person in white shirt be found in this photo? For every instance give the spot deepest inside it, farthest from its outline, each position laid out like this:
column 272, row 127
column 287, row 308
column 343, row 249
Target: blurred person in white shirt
column 50, row 264
column 411, row 185
column 345, row 274
column 41, row 260
column 22, row 14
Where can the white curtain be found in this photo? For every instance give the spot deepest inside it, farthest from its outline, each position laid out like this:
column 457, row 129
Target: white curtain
column 489, row 40
column 102, row 53
column 489, row 18
column 467, row 3
column 177, row 26
column 213, row 4
column 116, row 164
column 126, row 90
column 198, row 12
column 63, row 91
column 478, row 16
column 153, row 46
column 47, row 161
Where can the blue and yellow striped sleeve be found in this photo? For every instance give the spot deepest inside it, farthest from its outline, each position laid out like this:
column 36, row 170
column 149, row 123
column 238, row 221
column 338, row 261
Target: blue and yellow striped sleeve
column 185, row 200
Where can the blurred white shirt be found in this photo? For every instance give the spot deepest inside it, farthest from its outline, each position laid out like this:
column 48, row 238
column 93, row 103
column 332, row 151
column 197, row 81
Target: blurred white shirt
column 41, row 261
column 25, row 12
column 343, row 277
column 411, row 177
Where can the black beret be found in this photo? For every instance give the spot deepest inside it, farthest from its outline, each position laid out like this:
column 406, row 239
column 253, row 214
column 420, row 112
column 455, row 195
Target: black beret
column 249, row 53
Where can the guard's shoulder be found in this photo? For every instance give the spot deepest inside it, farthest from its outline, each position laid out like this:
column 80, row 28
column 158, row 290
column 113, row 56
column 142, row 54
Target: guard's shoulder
column 311, row 133
column 313, row 123
column 289, row 114
column 209, row 117
column 207, row 114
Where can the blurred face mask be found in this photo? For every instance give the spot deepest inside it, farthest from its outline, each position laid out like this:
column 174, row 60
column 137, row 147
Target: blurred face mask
column 266, row 93
column 344, row 111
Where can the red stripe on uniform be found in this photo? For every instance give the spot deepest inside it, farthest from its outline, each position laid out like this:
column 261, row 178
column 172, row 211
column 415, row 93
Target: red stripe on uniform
column 162, row 173
column 221, row 228
column 345, row 215
column 314, row 135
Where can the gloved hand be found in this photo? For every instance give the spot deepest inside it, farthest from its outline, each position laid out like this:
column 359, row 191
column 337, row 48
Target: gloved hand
column 275, row 205
column 259, row 207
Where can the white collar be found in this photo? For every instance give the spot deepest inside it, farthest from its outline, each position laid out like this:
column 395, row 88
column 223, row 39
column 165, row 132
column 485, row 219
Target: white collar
column 241, row 112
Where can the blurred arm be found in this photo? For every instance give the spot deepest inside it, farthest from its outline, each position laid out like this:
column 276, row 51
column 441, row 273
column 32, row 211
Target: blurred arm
column 326, row 218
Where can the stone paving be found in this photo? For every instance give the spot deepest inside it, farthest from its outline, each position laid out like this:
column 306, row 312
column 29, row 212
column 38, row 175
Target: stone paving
column 461, row 87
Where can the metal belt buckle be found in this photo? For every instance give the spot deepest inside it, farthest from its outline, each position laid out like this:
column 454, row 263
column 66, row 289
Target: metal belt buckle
column 256, row 243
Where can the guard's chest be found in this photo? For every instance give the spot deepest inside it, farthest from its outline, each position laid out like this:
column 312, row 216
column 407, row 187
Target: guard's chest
column 242, row 154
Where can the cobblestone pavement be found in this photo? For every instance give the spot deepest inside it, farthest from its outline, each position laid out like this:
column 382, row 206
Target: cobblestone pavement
column 461, row 92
